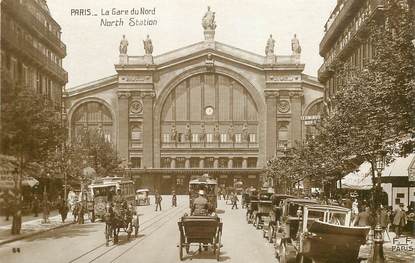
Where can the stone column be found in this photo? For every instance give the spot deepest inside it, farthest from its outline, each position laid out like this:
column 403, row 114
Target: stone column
column 296, row 129
column 173, row 163
column 148, row 129
column 187, row 162
column 271, row 124
column 245, row 162
column 123, row 134
column 202, row 163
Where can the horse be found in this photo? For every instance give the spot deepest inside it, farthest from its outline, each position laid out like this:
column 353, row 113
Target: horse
column 117, row 218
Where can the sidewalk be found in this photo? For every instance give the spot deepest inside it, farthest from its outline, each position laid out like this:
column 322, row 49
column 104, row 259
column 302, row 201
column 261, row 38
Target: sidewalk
column 25, row 218
column 32, row 227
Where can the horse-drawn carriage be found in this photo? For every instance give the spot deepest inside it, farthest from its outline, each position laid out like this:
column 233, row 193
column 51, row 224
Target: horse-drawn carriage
column 262, row 213
column 120, row 217
column 205, row 231
column 208, row 185
column 274, row 220
column 101, row 191
column 311, row 232
column 252, row 202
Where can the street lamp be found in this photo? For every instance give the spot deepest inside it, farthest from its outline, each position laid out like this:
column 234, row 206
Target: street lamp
column 378, row 256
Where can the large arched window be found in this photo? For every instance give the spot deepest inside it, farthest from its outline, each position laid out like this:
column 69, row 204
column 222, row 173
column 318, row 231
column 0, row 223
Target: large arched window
column 209, row 109
column 93, row 117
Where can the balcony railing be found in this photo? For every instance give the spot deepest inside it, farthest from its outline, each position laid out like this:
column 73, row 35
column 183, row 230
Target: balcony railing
column 25, row 47
column 21, row 12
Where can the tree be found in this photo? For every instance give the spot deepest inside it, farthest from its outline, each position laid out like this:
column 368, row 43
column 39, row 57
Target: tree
column 374, row 109
column 31, row 128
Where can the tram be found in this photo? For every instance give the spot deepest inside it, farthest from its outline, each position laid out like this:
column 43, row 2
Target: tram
column 102, row 190
column 208, row 185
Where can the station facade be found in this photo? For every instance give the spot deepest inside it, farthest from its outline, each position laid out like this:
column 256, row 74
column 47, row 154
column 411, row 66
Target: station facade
column 204, row 108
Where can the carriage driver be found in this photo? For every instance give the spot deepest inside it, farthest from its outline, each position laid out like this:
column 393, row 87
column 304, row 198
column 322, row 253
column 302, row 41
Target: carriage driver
column 200, row 205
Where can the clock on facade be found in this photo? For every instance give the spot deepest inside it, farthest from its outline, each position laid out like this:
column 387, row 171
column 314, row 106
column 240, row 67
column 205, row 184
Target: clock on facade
column 209, row 110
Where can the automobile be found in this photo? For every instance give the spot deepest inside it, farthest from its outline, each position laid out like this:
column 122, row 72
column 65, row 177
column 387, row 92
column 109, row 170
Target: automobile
column 312, row 232
column 142, row 197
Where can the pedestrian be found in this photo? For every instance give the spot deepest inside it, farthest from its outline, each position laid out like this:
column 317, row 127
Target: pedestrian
column 399, row 220
column 81, row 213
column 158, row 199
column 363, row 218
column 173, row 199
column 7, row 207
column 200, row 206
column 234, row 201
column 348, row 202
column 36, row 204
column 63, row 210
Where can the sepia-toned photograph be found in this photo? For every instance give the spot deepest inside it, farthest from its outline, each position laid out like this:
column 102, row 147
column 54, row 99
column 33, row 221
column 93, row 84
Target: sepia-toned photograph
column 239, row 131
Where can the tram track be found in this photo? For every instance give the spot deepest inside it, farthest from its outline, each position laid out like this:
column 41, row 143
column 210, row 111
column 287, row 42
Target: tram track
column 152, row 222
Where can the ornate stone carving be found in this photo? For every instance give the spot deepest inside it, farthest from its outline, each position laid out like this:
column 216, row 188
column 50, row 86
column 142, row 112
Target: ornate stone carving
column 216, row 133
column 210, row 63
column 295, row 46
column 173, row 133
column 231, row 133
column 136, row 107
column 295, row 94
column 148, row 46
column 123, row 46
column 188, row 133
column 245, row 133
column 208, row 20
column 271, row 94
column 284, row 106
column 202, row 134
column 285, row 78
column 147, row 94
column 269, row 48
column 209, row 25
column 123, row 94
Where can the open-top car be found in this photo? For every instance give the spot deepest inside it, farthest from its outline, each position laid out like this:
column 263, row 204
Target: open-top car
column 142, row 197
column 318, row 233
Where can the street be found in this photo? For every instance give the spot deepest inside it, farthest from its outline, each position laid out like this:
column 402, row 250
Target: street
column 157, row 240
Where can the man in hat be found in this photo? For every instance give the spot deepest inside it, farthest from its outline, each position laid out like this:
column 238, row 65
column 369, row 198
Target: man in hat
column 158, row 199
column 173, row 199
column 200, row 205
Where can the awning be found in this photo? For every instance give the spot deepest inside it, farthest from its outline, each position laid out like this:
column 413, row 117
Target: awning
column 360, row 179
column 401, row 166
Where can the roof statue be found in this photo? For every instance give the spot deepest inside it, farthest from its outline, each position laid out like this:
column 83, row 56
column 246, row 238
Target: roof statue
column 208, row 20
column 269, row 48
column 123, row 45
column 148, row 46
column 295, row 45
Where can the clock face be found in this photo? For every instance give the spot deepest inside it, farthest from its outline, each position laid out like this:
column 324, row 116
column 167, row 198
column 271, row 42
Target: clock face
column 209, row 110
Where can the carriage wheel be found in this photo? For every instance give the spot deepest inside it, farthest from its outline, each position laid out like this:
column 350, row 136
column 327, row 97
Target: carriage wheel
column 181, row 247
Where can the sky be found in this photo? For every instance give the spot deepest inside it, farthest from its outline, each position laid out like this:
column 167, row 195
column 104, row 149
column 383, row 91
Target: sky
column 92, row 49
